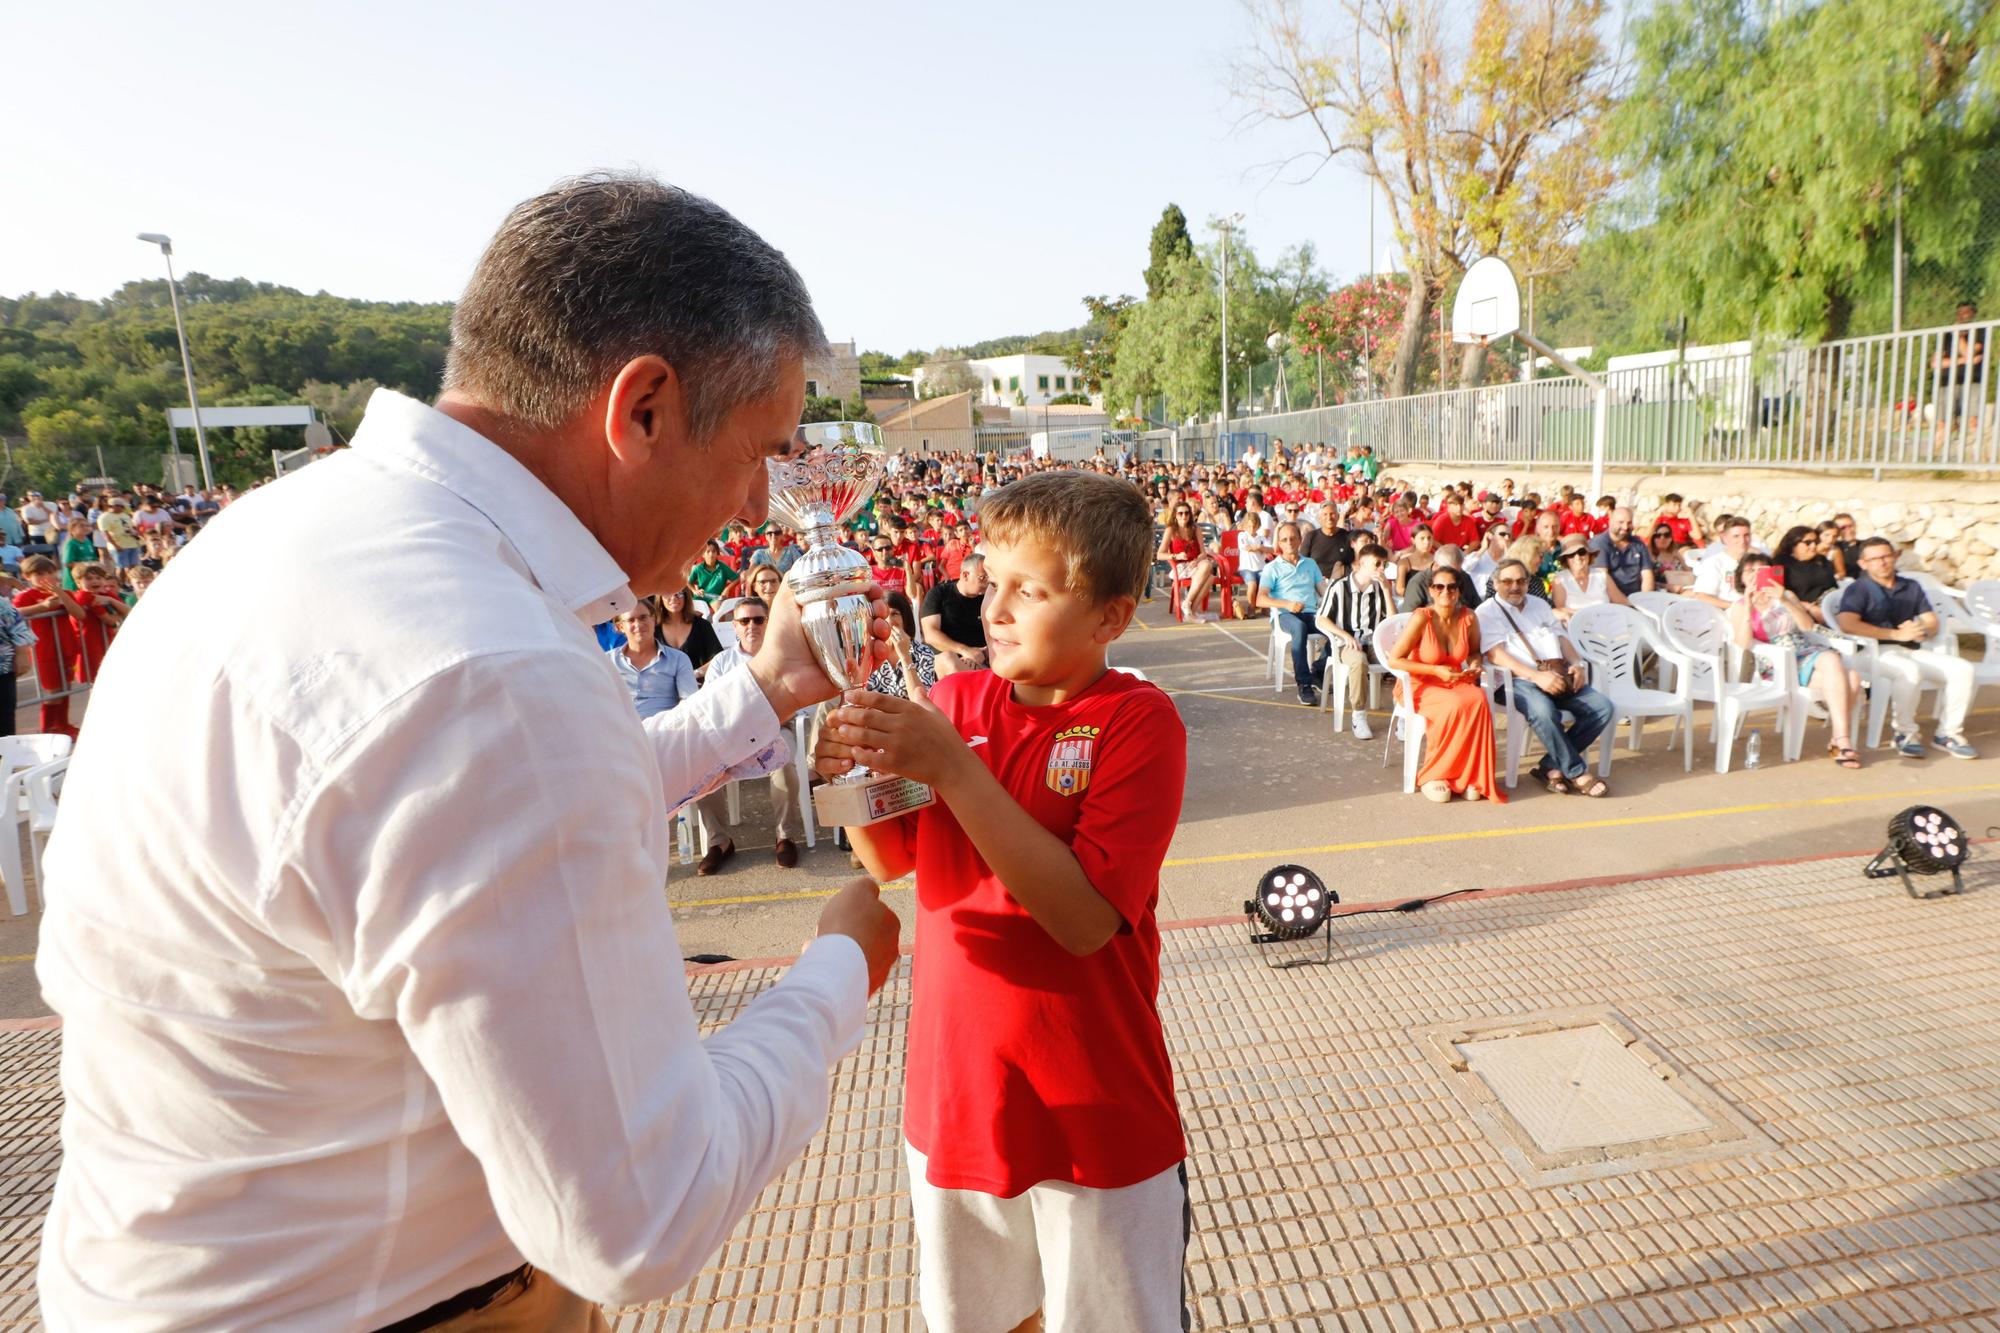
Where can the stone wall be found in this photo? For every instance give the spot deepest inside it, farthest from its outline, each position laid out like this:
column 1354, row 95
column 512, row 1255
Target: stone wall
column 1949, row 527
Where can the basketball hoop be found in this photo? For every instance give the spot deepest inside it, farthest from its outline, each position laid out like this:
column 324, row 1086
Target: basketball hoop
column 1488, row 305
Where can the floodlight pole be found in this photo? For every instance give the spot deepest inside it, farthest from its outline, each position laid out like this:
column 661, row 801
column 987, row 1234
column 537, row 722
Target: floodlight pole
column 187, row 363
column 1222, row 439
column 1600, row 416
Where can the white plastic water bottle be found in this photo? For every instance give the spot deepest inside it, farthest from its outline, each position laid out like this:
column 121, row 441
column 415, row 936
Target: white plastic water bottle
column 684, row 836
column 1753, row 753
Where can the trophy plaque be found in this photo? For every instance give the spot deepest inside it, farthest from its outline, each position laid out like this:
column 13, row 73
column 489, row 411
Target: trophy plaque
column 831, row 472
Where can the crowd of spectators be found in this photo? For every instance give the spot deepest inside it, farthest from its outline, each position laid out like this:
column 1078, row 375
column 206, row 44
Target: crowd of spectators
column 72, row 568
column 1321, row 540
column 1329, row 546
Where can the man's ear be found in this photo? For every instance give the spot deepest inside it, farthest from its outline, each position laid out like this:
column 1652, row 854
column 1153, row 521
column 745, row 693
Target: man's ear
column 645, row 411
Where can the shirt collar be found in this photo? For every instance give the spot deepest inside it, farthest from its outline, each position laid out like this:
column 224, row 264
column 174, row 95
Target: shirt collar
column 564, row 558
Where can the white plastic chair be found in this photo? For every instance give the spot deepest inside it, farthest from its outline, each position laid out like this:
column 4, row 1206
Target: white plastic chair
column 1333, row 693
column 1611, row 637
column 1653, row 605
column 1698, row 635
column 1982, row 617
column 18, row 756
column 802, row 775
column 1403, row 717
column 42, row 786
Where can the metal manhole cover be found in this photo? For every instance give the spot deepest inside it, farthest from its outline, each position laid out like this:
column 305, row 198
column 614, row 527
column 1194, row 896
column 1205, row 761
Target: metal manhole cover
column 1579, row 1094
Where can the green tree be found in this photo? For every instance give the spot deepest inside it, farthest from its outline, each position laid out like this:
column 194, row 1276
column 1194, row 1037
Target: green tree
column 1775, row 142
column 1170, row 242
column 1492, row 149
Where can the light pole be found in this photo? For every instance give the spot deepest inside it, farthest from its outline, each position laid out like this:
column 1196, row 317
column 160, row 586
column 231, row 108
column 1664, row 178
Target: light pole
column 1276, row 342
column 1222, row 438
column 187, row 364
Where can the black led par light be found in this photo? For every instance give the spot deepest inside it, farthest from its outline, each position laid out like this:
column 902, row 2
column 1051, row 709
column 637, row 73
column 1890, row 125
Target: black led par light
column 1923, row 840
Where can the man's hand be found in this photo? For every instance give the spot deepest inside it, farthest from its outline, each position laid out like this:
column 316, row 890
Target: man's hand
column 785, row 667
column 1579, row 675
column 1550, row 682
column 911, row 738
column 858, row 912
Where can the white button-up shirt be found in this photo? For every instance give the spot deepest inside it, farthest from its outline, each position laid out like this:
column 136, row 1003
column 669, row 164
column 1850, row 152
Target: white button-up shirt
column 386, row 996
column 1530, row 631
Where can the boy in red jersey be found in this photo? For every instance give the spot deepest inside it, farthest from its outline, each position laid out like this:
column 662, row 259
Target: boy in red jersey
column 1044, row 1142
column 55, row 639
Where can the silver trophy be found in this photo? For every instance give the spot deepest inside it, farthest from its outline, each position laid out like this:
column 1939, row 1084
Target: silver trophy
column 830, row 474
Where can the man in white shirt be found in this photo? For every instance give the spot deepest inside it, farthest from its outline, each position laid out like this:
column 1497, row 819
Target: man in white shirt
column 1551, row 682
column 1715, row 573
column 384, row 1023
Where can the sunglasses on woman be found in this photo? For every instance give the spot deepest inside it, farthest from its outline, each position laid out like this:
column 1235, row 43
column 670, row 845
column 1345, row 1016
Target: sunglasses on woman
column 1444, row 587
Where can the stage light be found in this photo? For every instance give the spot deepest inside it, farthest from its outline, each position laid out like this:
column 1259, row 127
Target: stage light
column 1290, row 903
column 1923, row 840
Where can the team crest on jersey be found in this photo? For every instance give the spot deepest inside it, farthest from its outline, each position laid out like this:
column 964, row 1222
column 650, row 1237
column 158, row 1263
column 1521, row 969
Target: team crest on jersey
column 1069, row 759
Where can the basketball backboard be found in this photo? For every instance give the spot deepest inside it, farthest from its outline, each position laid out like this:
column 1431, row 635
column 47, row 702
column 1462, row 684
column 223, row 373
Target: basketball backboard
column 1488, row 305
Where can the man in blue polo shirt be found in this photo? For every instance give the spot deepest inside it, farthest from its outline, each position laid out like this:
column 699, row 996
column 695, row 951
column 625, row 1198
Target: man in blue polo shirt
column 1884, row 606
column 1290, row 586
column 1625, row 558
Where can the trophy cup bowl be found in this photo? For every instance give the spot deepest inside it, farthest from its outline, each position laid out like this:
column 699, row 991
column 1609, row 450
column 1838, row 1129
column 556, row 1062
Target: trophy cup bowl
column 830, row 474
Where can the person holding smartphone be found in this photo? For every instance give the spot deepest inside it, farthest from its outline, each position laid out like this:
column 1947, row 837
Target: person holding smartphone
column 1766, row 611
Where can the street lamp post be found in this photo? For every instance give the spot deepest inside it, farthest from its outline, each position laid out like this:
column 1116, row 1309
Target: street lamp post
column 187, row 364
column 1222, row 438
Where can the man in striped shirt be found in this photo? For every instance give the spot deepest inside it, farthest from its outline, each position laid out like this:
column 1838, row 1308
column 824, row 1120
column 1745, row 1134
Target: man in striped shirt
column 1348, row 614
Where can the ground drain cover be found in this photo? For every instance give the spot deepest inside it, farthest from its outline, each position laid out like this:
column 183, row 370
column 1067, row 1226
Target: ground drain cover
column 1579, row 1094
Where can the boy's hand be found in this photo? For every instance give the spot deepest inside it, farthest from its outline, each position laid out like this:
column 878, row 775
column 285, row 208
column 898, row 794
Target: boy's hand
column 911, row 738
column 785, row 667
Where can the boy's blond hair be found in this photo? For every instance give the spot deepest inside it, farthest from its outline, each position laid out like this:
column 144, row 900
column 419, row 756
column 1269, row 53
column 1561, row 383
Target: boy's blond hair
column 1102, row 525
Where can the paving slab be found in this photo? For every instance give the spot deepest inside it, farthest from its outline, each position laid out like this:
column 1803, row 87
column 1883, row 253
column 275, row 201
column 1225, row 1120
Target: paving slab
column 1338, row 1180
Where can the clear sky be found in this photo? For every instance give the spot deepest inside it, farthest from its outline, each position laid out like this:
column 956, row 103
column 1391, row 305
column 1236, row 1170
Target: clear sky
column 940, row 173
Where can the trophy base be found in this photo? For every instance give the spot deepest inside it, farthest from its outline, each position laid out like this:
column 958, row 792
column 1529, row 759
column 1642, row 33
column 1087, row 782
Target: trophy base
column 868, row 800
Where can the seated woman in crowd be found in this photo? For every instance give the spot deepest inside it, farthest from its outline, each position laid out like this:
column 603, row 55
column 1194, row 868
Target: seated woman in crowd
column 1415, row 560
column 1809, row 575
column 1439, row 652
column 1579, row 581
column 888, row 677
column 1769, row 612
column 679, row 627
column 1670, row 562
column 658, row 677
column 1182, row 548
column 1532, row 552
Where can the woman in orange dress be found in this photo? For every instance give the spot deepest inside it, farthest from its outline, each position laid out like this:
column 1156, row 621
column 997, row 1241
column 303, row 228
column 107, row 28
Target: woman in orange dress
column 1439, row 650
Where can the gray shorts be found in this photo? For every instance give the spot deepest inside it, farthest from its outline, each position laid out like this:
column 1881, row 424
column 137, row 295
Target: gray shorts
column 1092, row 1260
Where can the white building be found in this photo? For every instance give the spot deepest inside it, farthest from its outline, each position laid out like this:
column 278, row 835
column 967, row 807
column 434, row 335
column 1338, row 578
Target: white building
column 1035, row 378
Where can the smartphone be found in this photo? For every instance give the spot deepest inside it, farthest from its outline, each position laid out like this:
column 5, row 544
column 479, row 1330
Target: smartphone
column 1770, row 576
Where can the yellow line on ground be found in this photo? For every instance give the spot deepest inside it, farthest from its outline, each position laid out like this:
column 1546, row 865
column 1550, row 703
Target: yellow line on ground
column 1233, row 698
column 18, row 958
column 892, row 886
column 1623, row 821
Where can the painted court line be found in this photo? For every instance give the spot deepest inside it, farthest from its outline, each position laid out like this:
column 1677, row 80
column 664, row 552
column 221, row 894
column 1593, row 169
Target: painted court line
column 1465, row 835
column 1621, row 821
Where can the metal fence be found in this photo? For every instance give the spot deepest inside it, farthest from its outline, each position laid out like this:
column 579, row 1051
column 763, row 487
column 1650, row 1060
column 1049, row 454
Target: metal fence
column 1923, row 400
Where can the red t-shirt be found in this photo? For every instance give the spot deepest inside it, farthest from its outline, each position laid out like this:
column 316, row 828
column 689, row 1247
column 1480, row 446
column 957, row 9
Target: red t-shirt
column 52, row 634
column 1025, row 1063
column 1683, row 528
column 1583, row 523
column 1464, row 532
column 94, row 632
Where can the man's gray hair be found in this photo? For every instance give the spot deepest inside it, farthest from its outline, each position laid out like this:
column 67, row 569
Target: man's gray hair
column 1510, row 563
column 1450, row 555
column 974, row 559
column 605, row 268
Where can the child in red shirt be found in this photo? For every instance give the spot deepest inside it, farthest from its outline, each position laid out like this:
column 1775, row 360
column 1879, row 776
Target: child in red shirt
column 100, row 610
column 55, row 639
column 1044, row 1143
